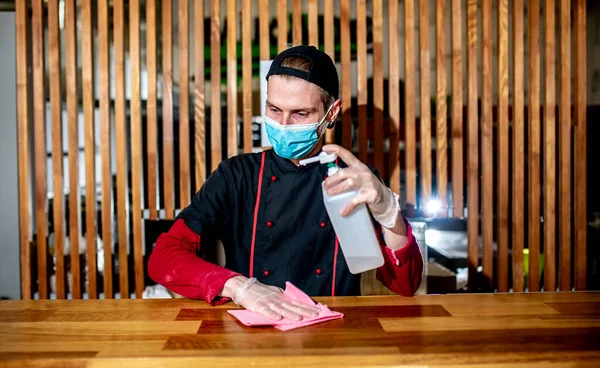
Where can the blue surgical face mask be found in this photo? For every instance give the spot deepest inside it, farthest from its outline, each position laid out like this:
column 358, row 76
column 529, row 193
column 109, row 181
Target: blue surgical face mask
column 294, row 141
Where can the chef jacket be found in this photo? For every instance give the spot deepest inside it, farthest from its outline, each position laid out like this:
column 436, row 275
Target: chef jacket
column 270, row 216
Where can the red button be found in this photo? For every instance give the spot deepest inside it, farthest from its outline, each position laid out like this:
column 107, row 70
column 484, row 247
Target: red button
column 323, row 225
column 319, row 271
column 269, row 223
column 273, row 178
column 266, row 272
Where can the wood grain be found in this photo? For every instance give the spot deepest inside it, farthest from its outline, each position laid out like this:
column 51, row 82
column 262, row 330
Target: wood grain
column 518, row 143
column 457, row 110
column 579, row 30
column 487, row 146
column 378, row 84
column 264, row 19
column 409, row 103
column 24, row 133
column 120, row 126
column 232, row 128
column 105, row 146
column 247, row 73
column 394, row 95
column 361, row 70
column 473, row 145
column 425, row 89
column 534, row 147
column 313, row 23
column 167, row 109
column 441, row 115
column 54, row 51
column 329, row 46
column 87, row 74
column 503, row 147
column 297, row 22
column 523, row 329
column 73, row 139
column 346, row 75
column 282, row 25
column 151, row 112
column 136, row 147
column 215, row 84
column 564, row 146
column 199, row 108
column 550, row 148
column 184, row 105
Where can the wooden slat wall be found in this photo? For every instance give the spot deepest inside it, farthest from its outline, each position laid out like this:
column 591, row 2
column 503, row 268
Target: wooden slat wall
column 498, row 125
column 23, row 132
column 441, row 108
column 518, row 143
column 487, row 146
column 550, row 148
column 120, row 126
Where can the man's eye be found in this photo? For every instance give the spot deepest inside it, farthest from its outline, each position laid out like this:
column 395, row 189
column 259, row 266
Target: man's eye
column 302, row 114
column 274, row 109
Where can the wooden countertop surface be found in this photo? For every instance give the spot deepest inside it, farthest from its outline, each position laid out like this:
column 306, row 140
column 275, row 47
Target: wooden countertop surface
column 530, row 329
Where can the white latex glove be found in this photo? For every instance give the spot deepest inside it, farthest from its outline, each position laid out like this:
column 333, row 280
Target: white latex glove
column 382, row 202
column 270, row 302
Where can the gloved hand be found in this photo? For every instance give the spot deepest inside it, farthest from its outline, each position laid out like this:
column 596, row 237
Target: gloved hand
column 271, row 302
column 382, row 202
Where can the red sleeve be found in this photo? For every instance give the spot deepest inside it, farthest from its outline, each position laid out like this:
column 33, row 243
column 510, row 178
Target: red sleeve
column 402, row 272
column 175, row 265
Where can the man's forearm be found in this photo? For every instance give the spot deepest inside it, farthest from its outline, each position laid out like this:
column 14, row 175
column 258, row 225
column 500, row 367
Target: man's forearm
column 396, row 237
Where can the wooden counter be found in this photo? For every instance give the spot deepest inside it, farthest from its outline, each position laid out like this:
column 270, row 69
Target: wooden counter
column 535, row 329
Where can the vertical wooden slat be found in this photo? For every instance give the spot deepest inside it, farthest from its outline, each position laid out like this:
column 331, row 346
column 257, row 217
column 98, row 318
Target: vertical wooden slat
column 457, row 110
column 328, row 30
column 120, row 126
column 502, row 156
column 441, row 108
column 105, row 118
column 297, row 22
column 247, row 72
column 361, row 69
column 410, row 98
column 39, row 121
column 264, row 19
column 167, row 108
column 23, row 106
column 313, row 23
column 564, row 146
column 378, row 83
column 550, row 149
column 87, row 74
column 73, row 131
column 487, row 142
column 533, row 157
column 215, row 84
column 184, row 105
column 136, row 146
column 151, row 113
column 425, row 102
column 57, row 146
column 199, row 109
column 473, row 144
column 580, row 144
column 518, row 142
column 346, row 74
column 232, row 131
column 394, row 95
column 282, row 26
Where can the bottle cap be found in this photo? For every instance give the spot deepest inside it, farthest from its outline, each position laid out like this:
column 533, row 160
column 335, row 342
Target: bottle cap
column 323, row 157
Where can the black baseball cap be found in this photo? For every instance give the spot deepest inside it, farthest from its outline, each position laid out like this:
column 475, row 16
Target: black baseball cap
column 322, row 71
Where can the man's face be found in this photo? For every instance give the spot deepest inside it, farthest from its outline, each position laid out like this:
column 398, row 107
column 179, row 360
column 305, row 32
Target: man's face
column 292, row 101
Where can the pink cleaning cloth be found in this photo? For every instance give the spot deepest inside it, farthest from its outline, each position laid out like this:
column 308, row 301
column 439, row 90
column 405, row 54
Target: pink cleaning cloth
column 249, row 318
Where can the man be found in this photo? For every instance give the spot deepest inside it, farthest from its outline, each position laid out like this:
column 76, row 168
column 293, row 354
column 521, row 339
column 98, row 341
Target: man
column 268, row 210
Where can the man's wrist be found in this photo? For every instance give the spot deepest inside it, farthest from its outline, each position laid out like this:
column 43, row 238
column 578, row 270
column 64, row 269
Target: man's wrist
column 232, row 284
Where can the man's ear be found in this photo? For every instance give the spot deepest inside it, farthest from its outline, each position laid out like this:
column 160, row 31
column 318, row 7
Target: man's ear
column 334, row 113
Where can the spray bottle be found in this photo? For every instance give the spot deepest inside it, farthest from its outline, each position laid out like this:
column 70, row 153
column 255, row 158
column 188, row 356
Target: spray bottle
column 355, row 231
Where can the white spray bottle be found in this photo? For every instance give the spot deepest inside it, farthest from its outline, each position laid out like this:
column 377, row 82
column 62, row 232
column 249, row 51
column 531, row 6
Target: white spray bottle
column 355, row 231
